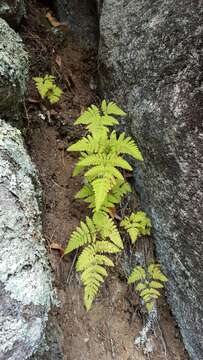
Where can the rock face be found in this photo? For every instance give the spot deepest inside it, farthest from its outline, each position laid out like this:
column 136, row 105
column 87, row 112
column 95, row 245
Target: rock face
column 12, row 11
column 13, row 71
column 25, row 279
column 149, row 62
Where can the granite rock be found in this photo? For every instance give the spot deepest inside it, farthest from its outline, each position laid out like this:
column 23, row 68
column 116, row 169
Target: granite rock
column 26, row 292
column 13, row 71
column 149, row 62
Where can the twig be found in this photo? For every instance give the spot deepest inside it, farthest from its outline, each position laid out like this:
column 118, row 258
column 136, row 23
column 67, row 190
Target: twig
column 71, row 268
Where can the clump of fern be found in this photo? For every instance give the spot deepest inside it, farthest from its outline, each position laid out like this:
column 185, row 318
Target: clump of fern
column 47, row 88
column 96, row 236
column 102, row 161
column 136, row 224
column 148, row 283
column 102, row 153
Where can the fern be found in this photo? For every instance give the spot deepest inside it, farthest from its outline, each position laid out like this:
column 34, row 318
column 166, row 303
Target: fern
column 47, row 88
column 113, row 197
column 101, row 156
column 137, row 224
column 147, row 283
column 97, row 236
column 98, row 120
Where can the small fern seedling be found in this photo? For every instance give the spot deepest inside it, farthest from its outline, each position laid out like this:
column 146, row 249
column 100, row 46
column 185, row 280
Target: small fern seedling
column 148, row 283
column 47, row 88
column 97, row 236
column 136, row 224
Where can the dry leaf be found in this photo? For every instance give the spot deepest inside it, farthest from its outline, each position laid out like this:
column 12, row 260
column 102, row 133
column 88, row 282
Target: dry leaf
column 56, row 246
column 52, row 20
column 58, row 61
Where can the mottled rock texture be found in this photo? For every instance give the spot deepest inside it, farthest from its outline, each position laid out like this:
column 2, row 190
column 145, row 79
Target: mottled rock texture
column 12, row 11
column 13, row 71
column 25, row 280
column 82, row 21
column 149, row 62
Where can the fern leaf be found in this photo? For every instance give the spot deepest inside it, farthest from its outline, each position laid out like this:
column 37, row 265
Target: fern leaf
column 140, row 287
column 105, row 246
column 86, row 258
column 149, row 306
column 108, row 120
column 103, row 260
column 90, row 115
column 156, row 285
column 101, row 188
column 114, row 109
column 150, row 291
column 107, row 228
column 90, row 293
column 137, row 274
column 81, row 236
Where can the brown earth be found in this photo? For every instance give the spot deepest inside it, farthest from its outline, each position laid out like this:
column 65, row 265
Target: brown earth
column 108, row 330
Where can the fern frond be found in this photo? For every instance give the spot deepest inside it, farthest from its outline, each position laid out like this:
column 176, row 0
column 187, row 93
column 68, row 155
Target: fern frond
column 137, row 274
column 89, row 116
column 147, row 284
column 86, row 258
column 107, row 228
column 84, row 234
column 47, row 88
column 113, row 108
column 103, row 260
column 101, row 188
column 137, row 224
column 124, row 145
column 105, row 246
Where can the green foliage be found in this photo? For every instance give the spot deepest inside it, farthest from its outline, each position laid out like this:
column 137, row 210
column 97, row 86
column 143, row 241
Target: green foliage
column 47, row 88
column 102, row 161
column 147, row 283
column 114, row 197
column 101, row 156
column 137, row 224
column 97, row 236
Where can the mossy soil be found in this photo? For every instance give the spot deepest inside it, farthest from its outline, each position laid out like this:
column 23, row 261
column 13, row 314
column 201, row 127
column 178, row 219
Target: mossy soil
column 108, row 330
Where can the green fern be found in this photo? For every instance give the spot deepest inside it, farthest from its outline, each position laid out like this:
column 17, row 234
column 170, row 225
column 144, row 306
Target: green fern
column 136, row 224
column 98, row 120
column 101, row 157
column 147, row 283
column 47, row 88
column 113, row 197
column 97, row 236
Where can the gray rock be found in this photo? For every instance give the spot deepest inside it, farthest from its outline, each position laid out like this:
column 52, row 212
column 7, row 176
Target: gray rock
column 25, row 280
column 13, row 71
column 12, row 11
column 149, row 62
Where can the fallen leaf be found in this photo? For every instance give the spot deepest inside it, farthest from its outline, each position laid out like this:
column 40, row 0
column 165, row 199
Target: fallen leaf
column 58, row 61
column 56, row 246
column 52, row 20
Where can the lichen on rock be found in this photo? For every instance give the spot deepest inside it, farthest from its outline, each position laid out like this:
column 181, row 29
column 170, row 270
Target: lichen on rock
column 26, row 292
column 13, row 71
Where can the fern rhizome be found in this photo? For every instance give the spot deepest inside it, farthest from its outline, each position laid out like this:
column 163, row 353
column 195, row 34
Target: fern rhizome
column 102, row 162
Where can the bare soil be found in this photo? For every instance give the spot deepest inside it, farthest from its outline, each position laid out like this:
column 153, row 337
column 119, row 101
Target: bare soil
column 107, row 331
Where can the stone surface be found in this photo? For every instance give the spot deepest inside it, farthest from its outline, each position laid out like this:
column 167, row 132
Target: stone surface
column 25, row 280
column 82, row 21
column 12, row 11
column 149, row 62
column 13, row 71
